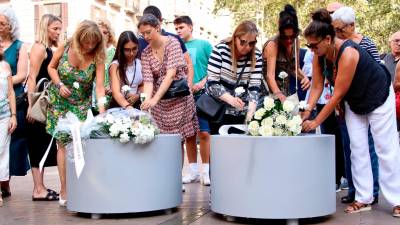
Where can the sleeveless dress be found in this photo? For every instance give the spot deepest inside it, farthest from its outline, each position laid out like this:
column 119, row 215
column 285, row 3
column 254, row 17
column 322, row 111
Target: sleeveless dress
column 39, row 139
column 79, row 102
column 19, row 163
column 284, row 63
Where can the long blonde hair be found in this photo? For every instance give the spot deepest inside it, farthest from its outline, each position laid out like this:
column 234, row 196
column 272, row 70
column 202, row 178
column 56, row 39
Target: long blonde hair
column 102, row 22
column 89, row 30
column 245, row 27
column 43, row 32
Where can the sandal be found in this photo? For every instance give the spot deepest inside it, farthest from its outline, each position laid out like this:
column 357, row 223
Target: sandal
column 49, row 197
column 53, row 192
column 396, row 211
column 356, row 207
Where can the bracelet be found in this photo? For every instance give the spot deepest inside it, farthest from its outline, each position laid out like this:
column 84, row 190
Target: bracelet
column 59, row 85
column 13, row 114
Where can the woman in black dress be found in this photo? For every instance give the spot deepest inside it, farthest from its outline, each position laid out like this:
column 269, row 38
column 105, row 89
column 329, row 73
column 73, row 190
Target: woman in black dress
column 38, row 140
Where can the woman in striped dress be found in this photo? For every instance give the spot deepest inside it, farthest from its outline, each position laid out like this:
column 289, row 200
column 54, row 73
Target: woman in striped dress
column 226, row 62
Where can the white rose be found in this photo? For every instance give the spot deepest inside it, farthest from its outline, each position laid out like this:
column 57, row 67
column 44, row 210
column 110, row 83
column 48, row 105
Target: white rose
column 259, row 114
column 101, row 101
column 76, row 85
column 288, row 106
column 282, row 75
column 125, row 88
column 297, row 119
column 266, row 131
column 253, row 128
column 303, row 105
column 239, row 90
column 114, row 130
column 142, row 97
column 124, row 137
column 267, row 122
column 278, row 131
column 281, row 120
column 269, row 103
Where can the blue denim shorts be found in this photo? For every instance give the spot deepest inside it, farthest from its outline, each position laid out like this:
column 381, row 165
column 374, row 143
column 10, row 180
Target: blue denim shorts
column 203, row 123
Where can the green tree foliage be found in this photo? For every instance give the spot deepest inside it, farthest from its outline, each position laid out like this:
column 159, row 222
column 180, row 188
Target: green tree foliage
column 377, row 19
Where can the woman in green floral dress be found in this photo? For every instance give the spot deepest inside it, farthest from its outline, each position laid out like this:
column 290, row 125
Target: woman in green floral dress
column 73, row 69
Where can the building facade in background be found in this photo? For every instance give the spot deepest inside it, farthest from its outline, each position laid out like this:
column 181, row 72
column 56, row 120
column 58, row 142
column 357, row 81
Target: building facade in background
column 123, row 15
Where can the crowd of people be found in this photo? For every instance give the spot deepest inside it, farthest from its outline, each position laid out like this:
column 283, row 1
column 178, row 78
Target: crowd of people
column 350, row 90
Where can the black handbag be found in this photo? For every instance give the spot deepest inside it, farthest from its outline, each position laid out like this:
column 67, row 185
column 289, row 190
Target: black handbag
column 178, row 88
column 211, row 108
column 21, row 100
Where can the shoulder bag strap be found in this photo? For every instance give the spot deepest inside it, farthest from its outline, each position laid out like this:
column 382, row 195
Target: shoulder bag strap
column 240, row 76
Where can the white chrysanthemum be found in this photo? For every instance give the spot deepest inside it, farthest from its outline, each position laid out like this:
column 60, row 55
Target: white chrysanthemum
column 288, row 106
column 124, row 137
column 266, row 131
column 283, row 75
column 253, row 128
column 76, row 85
column 269, row 103
column 258, row 115
column 280, row 120
column 125, row 88
column 239, row 90
column 267, row 122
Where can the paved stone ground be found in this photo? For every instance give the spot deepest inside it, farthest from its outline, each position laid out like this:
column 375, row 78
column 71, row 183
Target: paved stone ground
column 195, row 210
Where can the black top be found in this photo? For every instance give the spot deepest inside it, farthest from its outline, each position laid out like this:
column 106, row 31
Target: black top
column 369, row 88
column 43, row 73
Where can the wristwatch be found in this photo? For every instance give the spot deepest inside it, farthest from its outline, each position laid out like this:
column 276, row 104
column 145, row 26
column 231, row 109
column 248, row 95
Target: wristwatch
column 59, row 85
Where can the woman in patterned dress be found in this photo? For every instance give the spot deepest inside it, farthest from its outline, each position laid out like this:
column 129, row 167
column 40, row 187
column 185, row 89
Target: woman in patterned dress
column 163, row 62
column 73, row 69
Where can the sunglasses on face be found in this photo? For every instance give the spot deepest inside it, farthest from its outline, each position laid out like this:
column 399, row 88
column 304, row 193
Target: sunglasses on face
column 314, row 46
column 245, row 42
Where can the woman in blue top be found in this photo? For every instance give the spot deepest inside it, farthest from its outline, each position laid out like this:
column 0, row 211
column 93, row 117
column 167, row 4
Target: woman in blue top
column 15, row 54
column 365, row 88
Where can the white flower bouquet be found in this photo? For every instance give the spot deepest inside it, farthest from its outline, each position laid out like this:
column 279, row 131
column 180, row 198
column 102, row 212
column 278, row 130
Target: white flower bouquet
column 275, row 119
column 129, row 125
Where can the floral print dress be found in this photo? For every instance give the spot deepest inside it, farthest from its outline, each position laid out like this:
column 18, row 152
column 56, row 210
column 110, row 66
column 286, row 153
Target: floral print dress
column 79, row 102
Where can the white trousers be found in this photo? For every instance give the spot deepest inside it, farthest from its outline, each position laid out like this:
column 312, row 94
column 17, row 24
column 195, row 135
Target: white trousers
column 4, row 149
column 384, row 131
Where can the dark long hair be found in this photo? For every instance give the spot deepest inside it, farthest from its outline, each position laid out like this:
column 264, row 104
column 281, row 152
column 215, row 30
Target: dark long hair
column 124, row 38
column 288, row 19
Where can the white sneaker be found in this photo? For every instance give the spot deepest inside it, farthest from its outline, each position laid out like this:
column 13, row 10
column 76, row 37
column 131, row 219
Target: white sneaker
column 183, row 188
column 62, row 202
column 190, row 178
column 205, row 179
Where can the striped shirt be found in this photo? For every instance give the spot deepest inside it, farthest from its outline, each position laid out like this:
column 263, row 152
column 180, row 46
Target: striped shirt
column 368, row 45
column 222, row 79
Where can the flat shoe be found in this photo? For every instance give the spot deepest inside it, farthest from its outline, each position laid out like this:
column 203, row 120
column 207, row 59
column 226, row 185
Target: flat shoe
column 49, row 197
column 396, row 211
column 356, row 207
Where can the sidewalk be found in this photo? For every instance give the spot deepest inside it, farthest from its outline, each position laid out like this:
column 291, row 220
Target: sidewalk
column 20, row 210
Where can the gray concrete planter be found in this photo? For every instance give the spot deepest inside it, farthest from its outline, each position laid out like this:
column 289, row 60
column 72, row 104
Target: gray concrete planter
column 273, row 177
column 127, row 178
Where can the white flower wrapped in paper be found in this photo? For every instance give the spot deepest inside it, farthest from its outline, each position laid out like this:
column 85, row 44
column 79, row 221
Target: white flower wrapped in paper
column 253, row 128
column 142, row 97
column 239, row 90
column 125, row 89
column 259, row 114
column 283, row 75
column 75, row 85
column 269, row 103
column 288, row 106
column 266, row 131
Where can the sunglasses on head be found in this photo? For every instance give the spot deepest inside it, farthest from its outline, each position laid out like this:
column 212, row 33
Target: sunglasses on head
column 245, row 42
column 314, row 45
